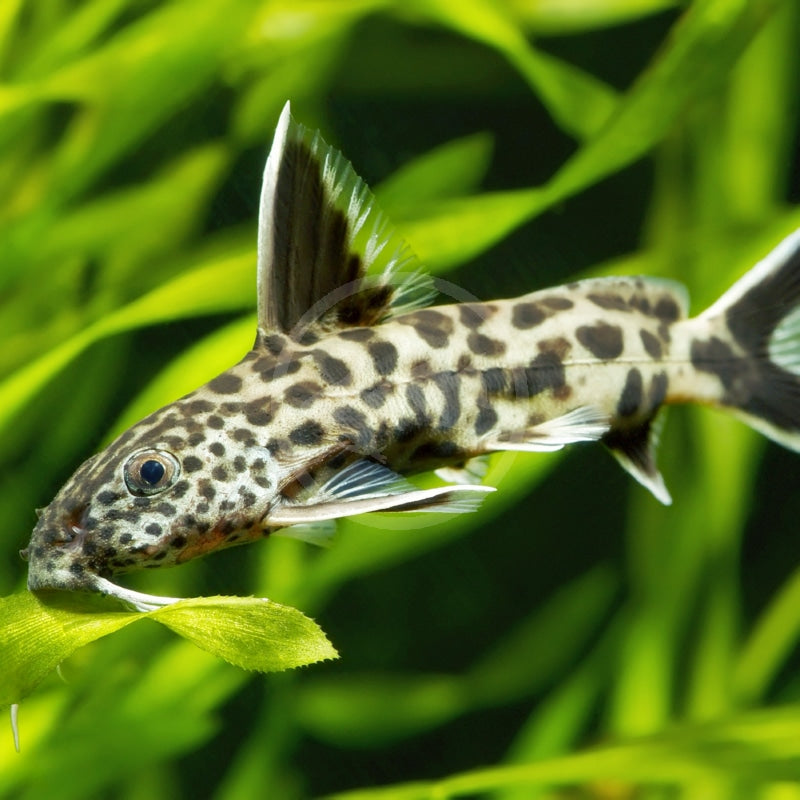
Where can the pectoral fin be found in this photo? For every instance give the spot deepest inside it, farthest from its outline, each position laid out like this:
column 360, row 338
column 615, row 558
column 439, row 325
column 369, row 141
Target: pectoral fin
column 365, row 487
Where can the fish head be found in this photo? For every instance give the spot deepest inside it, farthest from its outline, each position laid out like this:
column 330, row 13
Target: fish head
column 168, row 490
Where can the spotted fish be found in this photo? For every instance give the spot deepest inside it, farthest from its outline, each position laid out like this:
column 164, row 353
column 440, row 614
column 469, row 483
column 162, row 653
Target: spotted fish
column 355, row 382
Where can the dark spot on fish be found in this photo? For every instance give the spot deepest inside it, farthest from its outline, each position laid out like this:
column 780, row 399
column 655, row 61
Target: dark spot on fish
column 192, row 464
column 544, row 372
column 349, row 417
column 125, row 538
column 263, row 364
column 308, row 337
column 248, row 497
column 658, row 389
column 420, row 370
column 227, row 527
column 484, row 345
column 198, row 406
column 260, row 412
column 273, row 343
column 739, row 376
column 179, row 489
column 472, row 315
column 217, row 448
column 227, row 383
column 630, row 400
column 557, row 303
column 307, row 434
column 651, row 344
column 175, row 442
column 486, row 420
column 216, row 422
column 220, row 473
column 275, row 446
column 527, row 315
column 166, row 509
column 558, row 345
column 494, row 380
column 667, row 309
column 465, row 363
column 375, row 396
column 206, row 489
column 240, row 464
column 333, row 370
column 178, row 542
column 262, row 481
column 601, row 339
column 357, row 334
column 153, row 529
column 245, row 436
column 416, row 400
column 302, row 394
column 433, row 327
column 609, row 301
column 448, row 384
column 196, row 439
column 106, row 498
column 664, row 332
column 290, row 367
column 384, row 357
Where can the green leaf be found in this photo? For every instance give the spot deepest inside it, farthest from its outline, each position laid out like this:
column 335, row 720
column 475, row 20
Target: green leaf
column 452, row 169
column 224, row 284
column 37, row 634
column 713, row 35
column 576, row 16
column 579, row 103
column 36, row 637
column 251, row 632
column 746, row 746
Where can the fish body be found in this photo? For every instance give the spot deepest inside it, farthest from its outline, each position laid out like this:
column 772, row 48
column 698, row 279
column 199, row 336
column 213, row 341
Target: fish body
column 353, row 383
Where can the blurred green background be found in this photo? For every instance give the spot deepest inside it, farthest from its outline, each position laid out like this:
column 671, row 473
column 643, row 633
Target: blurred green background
column 573, row 639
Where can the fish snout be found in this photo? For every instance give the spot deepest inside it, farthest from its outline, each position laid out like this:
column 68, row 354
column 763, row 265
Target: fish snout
column 54, row 553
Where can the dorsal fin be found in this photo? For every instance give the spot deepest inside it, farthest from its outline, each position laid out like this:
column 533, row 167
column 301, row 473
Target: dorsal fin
column 319, row 234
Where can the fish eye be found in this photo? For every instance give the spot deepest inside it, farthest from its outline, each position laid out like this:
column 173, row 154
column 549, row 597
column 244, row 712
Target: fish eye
column 150, row 472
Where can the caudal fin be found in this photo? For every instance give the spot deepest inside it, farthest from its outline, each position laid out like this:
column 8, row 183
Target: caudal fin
column 756, row 352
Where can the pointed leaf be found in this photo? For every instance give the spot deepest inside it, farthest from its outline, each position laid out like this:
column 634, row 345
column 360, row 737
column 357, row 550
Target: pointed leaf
column 38, row 633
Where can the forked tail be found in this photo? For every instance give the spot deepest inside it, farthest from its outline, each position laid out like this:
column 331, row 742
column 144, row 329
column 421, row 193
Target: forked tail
column 754, row 345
